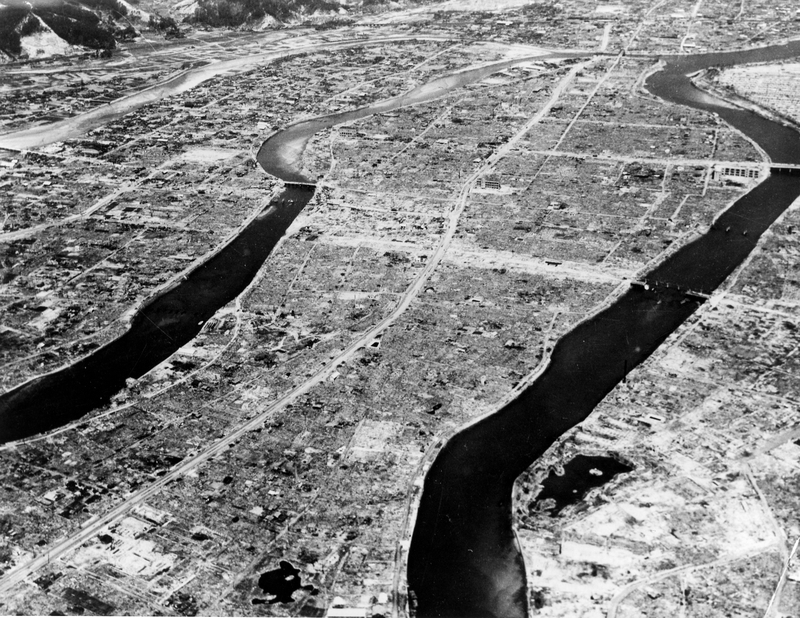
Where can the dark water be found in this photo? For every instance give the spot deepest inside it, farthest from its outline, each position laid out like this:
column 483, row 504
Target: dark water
column 281, row 583
column 582, row 473
column 781, row 143
column 463, row 559
column 157, row 330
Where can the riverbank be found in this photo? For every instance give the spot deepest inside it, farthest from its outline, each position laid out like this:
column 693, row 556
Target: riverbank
column 703, row 81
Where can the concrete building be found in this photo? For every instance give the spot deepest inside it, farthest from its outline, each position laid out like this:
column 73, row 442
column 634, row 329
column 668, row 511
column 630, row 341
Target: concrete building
column 725, row 172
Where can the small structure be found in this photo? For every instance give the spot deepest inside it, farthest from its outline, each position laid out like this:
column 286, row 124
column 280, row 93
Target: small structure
column 348, row 132
column 651, row 420
column 488, row 183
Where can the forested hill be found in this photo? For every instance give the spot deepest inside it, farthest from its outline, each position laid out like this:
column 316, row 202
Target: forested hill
column 235, row 13
column 41, row 28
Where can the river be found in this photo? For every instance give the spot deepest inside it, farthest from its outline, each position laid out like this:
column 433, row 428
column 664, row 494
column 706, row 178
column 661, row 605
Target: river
column 174, row 317
column 464, row 560
column 158, row 329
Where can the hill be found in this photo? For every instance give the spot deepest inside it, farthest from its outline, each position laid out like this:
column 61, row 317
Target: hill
column 42, row 28
column 48, row 27
column 253, row 13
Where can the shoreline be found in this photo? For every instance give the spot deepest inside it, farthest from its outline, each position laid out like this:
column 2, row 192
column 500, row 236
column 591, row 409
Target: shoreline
column 129, row 315
column 705, row 83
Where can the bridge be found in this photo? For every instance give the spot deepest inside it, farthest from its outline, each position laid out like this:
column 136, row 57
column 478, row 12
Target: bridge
column 784, row 168
column 300, row 185
column 646, row 285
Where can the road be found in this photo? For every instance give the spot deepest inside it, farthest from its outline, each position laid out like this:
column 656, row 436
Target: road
column 606, row 37
column 645, row 159
column 688, row 34
column 774, row 602
column 740, row 555
column 778, row 542
column 96, row 206
column 578, row 114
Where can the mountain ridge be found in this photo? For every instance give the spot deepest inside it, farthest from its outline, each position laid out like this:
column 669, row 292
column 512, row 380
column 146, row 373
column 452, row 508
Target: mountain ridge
column 41, row 28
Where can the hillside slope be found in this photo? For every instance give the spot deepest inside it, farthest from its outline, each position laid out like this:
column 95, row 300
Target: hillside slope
column 42, row 28
column 48, row 27
column 252, row 13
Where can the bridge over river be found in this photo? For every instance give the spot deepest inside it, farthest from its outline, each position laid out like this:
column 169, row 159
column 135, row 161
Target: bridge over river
column 784, row 168
column 654, row 285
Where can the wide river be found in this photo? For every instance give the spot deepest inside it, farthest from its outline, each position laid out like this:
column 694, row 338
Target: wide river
column 464, row 559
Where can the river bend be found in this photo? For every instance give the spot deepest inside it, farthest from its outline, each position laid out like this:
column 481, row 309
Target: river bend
column 464, row 559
